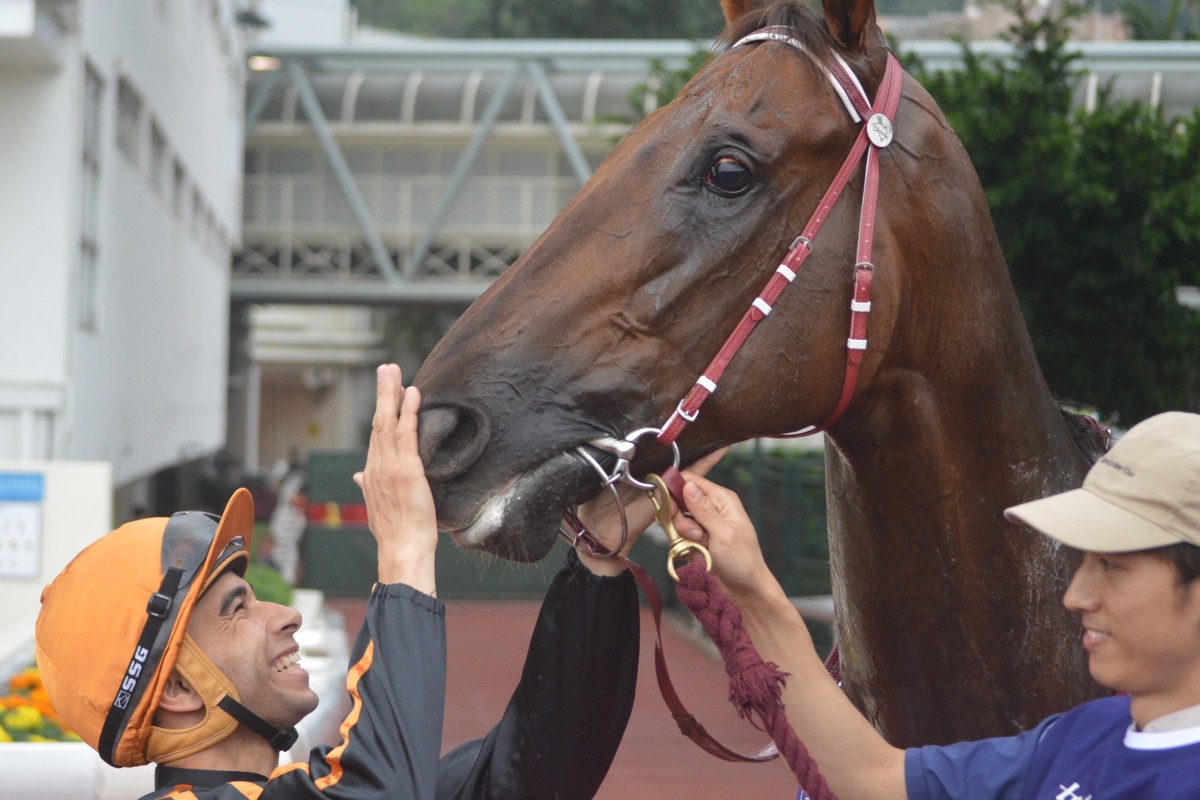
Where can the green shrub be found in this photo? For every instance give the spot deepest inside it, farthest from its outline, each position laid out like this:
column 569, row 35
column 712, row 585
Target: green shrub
column 268, row 584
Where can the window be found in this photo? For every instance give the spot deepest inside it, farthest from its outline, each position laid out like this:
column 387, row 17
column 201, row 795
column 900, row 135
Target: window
column 210, row 230
column 197, row 212
column 93, row 104
column 129, row 118
column 293, row 161
column 88, row 284
column 158, row 157
column 178, row 187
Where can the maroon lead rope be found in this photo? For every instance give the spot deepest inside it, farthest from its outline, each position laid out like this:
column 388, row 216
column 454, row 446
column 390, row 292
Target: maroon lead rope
column 755, row 686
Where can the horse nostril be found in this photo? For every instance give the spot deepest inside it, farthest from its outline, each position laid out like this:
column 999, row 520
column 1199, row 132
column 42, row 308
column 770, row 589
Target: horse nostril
column 452, row 437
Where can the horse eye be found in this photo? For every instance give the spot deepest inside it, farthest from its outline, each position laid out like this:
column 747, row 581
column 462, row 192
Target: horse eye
column 728, row 176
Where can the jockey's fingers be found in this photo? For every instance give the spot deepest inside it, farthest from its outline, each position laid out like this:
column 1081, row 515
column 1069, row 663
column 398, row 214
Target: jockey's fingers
column 381, row 449
column 701, row 501
column 385, row 398
column 407, row 442
column 410, row 405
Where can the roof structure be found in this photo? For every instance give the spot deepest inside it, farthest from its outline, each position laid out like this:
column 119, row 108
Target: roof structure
column 570, row 93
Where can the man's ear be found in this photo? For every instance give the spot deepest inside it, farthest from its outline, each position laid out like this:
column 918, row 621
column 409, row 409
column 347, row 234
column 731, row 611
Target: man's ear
column 179, row 697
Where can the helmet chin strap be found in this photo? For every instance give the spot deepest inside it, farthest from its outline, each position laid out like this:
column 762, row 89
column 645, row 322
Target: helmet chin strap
column 279, row 738
column 223, row 712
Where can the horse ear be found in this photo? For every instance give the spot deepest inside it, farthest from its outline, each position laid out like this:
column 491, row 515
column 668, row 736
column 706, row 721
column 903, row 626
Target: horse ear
column 735, row 8
column 852, row 23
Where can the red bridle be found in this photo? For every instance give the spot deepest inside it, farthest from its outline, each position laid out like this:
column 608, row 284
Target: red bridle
column 875, row 134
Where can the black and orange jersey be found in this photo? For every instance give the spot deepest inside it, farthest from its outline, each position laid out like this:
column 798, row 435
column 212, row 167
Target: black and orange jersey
column 557, row 737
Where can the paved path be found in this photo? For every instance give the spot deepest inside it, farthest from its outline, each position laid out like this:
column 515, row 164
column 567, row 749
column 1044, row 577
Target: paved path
column 487, row 641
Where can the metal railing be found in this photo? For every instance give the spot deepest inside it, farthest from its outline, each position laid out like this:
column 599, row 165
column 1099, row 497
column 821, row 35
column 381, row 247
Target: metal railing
column 518, row 209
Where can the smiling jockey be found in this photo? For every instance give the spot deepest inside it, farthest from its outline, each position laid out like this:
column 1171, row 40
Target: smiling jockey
column 154, row 648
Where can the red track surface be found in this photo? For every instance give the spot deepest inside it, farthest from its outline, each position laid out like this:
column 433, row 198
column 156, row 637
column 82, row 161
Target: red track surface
column 487, row 641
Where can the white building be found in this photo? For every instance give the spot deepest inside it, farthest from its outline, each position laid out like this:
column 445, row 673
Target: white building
column 120, row 204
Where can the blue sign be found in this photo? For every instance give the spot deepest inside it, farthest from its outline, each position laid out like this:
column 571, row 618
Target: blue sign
column 26, row 486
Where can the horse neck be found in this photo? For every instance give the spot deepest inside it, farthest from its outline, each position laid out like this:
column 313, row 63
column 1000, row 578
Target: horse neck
column 957, row 422
column 930, row 579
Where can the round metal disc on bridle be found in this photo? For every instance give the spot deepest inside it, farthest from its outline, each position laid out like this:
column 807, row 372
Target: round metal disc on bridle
column 879, row 130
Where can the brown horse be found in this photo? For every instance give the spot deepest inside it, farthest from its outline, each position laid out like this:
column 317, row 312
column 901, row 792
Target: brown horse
column 950, row 621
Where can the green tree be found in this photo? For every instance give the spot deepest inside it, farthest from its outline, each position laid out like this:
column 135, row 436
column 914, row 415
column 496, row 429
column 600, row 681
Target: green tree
column 445, row 18
column 577, row 19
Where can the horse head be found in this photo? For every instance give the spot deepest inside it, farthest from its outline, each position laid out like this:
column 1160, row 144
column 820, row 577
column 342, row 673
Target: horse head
column 937, row 414
column 605, row 321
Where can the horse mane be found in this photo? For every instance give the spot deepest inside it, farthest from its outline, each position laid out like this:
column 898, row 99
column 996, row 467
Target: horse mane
column 807, row 26
column 1090, row 436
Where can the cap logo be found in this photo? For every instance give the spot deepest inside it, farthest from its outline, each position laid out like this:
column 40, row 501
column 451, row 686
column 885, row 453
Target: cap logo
column 1117, row 465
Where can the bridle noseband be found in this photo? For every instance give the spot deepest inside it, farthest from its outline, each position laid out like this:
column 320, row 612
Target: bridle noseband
column 876, row 120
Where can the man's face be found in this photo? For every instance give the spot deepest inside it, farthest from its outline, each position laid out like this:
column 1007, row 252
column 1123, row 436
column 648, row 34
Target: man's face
column 1141, row 628
column 253, row 643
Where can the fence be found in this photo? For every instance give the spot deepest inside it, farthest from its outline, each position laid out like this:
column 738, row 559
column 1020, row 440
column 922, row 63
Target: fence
column 784, row 494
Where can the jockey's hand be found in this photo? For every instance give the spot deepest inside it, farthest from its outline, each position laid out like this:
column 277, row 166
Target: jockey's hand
column 400, row 509
column 720, row 523
column 600, row 516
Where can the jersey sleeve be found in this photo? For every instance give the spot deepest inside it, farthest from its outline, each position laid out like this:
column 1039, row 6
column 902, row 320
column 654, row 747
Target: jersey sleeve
column 392, row 735
column 563, row 724
column 988, row 769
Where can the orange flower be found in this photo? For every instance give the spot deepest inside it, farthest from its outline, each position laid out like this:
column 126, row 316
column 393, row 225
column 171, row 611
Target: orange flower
column 39, row 700
column 26, row 692
column 26, row 679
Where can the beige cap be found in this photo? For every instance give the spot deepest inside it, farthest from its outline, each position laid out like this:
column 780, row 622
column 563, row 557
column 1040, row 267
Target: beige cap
column 1144, row 493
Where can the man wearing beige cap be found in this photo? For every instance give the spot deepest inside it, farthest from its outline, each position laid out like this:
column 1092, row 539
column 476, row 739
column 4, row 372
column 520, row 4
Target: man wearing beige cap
column 1136, row 524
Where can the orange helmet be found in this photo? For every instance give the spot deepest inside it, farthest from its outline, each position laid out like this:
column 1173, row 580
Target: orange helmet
column 113, row 626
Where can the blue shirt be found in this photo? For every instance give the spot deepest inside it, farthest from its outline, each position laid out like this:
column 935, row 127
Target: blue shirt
column 1088, row 753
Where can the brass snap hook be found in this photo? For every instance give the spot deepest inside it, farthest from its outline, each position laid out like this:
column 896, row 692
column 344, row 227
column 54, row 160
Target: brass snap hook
column 680, row 547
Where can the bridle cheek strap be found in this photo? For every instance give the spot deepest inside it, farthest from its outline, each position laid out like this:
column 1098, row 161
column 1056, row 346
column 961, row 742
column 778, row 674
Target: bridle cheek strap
column 875, row 134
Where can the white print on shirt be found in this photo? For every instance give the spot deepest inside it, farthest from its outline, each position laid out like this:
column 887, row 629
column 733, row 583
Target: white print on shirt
column 1068, row 793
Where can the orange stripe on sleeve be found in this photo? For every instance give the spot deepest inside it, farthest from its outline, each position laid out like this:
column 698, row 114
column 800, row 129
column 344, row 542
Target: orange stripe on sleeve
column 334, row 757
column 301, row 765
